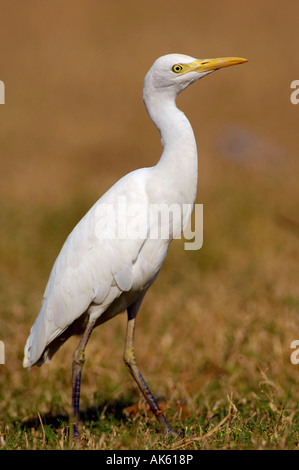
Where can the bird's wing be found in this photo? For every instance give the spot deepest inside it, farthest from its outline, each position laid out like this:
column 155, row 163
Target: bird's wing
column 96, row 259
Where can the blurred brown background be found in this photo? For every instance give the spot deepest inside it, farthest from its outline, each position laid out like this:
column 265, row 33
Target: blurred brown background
column 73, row 71
column 74, row 123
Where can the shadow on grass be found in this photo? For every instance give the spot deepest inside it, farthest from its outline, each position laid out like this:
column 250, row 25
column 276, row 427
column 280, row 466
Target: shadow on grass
column 113, row 412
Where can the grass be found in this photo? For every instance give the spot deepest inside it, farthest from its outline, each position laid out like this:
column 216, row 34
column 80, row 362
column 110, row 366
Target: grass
column 254, row 422
column 213, row 338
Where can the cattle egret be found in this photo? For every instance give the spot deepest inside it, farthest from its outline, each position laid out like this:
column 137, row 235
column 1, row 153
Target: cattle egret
column 98, row 275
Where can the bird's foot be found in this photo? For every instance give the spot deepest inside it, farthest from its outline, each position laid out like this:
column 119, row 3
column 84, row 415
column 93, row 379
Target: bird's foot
column 170, row 432
column 75, row 432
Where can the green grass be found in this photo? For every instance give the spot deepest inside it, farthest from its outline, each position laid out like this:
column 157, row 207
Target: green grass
column 252, row 423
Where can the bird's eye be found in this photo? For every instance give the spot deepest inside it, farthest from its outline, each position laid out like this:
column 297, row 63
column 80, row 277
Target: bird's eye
column 177, row 68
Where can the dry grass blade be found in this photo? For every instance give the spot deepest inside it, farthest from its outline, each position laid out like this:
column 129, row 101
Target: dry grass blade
column 43, row 429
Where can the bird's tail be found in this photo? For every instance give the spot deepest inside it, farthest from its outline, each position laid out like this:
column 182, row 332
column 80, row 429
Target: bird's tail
column 34, row 351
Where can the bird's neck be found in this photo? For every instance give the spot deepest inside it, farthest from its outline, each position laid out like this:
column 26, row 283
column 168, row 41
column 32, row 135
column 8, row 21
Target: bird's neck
column 178, row 162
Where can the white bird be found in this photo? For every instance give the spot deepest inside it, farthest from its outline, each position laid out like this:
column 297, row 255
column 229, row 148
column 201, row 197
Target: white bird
column 98, row 275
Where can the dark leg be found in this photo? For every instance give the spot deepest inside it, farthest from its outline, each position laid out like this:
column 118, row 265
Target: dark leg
column 130, row 361
column 78, row 363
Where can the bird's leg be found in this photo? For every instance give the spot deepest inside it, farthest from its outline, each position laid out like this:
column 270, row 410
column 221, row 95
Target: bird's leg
column 78, row 363
column 130, row 361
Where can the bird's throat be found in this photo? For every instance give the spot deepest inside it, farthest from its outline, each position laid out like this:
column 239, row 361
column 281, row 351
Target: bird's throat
column 179, row 158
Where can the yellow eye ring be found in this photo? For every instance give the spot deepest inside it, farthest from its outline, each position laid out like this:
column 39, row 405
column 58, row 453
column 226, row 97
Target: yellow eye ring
column 177, row 68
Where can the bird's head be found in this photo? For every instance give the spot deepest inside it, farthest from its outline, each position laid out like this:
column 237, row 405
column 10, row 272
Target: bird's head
column 173, row 73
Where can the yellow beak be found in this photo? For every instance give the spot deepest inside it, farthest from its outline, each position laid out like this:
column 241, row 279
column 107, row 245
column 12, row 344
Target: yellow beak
column 207, row 65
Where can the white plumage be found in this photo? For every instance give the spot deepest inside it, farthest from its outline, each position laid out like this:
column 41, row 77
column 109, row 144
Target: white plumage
column 96, row 277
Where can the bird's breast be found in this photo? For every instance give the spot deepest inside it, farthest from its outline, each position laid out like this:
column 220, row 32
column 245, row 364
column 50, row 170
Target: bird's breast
column 149, row 262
